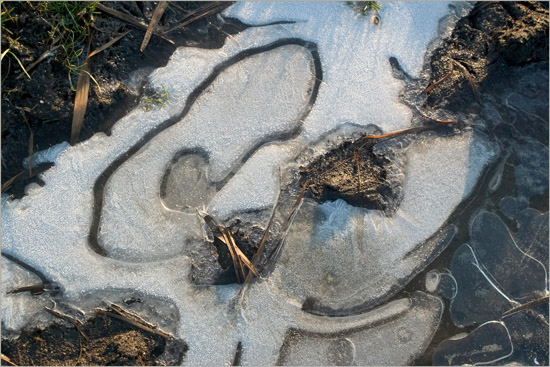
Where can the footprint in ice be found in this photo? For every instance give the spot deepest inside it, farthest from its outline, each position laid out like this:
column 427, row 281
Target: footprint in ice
column 231, row 111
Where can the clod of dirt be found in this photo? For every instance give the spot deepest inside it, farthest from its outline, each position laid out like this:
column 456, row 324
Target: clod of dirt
column 355, row 172
column 492, row 35
column 107, row 342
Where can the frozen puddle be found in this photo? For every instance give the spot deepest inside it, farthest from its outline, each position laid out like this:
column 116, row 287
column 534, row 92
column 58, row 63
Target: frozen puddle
column 227, row 123
column 120, row 215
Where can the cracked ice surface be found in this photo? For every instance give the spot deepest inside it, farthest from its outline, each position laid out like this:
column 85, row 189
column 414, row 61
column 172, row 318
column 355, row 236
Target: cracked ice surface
column 50, row 227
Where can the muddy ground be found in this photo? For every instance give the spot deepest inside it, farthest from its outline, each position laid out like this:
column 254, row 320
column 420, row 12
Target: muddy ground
column 495, row 39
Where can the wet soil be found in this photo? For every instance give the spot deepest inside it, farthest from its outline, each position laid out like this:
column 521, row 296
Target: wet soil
column 102, row 341
column 494, row 40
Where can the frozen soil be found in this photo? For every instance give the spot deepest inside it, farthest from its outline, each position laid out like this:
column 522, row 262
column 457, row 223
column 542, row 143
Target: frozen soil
column 493, row 40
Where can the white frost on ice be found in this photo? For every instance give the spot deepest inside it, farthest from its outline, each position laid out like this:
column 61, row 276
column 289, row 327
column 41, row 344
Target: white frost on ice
column 49, row 227
column 376, row 249
column 46, row 156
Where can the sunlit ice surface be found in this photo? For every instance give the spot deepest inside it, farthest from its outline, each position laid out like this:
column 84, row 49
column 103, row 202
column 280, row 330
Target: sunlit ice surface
column 123, row 214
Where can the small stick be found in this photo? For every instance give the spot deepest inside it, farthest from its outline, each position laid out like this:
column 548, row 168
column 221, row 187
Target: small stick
column 524, row 306
column 71, row 320
column 389, row 134
column 124, row 312
column 35, row 289
column 234, row 248
column 134, row 323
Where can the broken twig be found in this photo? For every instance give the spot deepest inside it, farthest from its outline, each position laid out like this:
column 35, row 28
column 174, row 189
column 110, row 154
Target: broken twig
column 122, row 315
column 71, row 320
column 527, row 305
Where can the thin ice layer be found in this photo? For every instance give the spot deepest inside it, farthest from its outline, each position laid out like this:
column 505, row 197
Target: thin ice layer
column 49, row 228
column 367, row 345
column 16, row 304
column 375, row 253
column 355, row 52
column 487, row 344
column 229, row 119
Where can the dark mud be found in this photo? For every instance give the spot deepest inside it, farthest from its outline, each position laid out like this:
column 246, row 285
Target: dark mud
column 493, row 38
column 103, row 341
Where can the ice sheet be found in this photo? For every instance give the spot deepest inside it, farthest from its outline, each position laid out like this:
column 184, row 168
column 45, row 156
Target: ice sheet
column 377, row 252
column 49, row 228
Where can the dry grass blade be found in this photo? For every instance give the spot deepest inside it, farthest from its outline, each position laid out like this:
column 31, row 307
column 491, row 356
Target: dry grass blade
column 431, row 87
column 41, row 58
column 108, row 44
column 129, row 19
column 241, row 256
column 202, row 12
column 159, row 10
column 261, row 246
column 296, row 207
column 236, row 264
column 8, row 183
column 80, row 101
column 7, row 360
